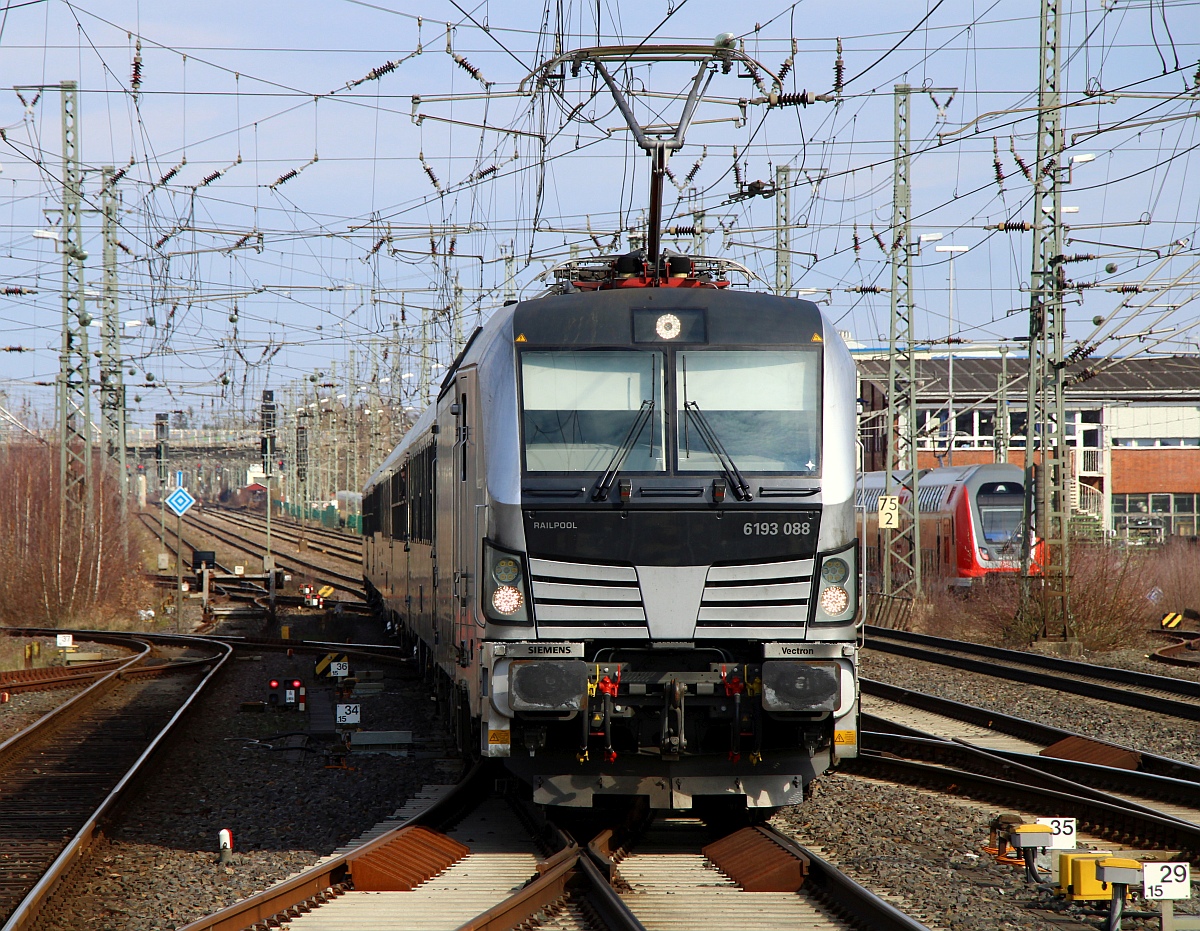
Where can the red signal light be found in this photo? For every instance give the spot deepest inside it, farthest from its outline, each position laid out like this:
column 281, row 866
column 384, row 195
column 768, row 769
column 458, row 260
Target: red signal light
column 274, row 683
column 296, row 683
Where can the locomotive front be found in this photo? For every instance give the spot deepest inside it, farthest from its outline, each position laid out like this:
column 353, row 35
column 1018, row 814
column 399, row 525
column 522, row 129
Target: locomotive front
column 671, row 594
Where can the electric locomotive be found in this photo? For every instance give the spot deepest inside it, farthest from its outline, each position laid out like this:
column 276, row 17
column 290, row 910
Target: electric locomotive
column 624, row 537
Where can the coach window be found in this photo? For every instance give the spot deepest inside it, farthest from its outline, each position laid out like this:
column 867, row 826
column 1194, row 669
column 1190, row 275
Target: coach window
column 579, row 408
column 763, row 406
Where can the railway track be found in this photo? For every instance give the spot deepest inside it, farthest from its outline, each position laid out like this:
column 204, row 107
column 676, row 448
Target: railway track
column 1160, row 694
column 911, row 726
column 62, row 775
column 342, row 548
column 1185, row 651
column 459, row 858
column 350, row 584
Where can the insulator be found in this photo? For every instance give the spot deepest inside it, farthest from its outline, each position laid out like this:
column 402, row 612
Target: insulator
column 429, row 171
column 453, row 245
column 432, row 246
column 169, row 175
column 857, row 242
column 669, row 173
column 879, row 241
column 996, row 164
column 802, row 99
column 286, row 177
column 1011, row 226
column 135, row 80
column 15, row 290
column 839, row 70
column 737, row 169
column 691, row 175
column 1079, row 257
column 376, row 73
column 1083, row 375
column 469, row 68
column 866, row 289
column 755, row 76
column 124, row 248
column 241, row 242
column 681, row 231
column 1129, row 289
column 209, row 179
column 163, row 238
column 118, row 175
column 1012, row 146
column 784, row 69
column 484, row 172
column 378, row 245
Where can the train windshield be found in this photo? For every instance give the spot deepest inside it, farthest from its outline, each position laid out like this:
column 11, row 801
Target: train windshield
column 1000, row 505
column 764, row 408
column 580, row 408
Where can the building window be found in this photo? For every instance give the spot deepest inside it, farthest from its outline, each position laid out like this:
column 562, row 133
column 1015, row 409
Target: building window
column 1160, row 504
column 1185, row 504
column 1118, row 504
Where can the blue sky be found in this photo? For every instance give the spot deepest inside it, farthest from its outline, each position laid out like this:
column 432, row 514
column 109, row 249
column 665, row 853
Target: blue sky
column 252, row 283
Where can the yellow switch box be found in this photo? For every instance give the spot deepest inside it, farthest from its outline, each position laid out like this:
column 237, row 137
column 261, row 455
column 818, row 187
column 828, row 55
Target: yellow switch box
column 1079, row 869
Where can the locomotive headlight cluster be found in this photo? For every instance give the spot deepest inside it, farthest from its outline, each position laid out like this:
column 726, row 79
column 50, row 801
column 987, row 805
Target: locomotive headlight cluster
column 504, row 588
column 837, row 594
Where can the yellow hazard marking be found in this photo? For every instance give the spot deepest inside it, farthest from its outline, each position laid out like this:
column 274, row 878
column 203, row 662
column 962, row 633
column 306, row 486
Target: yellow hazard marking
column 816, row 338
column 499, row 737
column 325, row 591
column 323, row 663
column 520, row 339
column 1172, row 619
column 845, row 738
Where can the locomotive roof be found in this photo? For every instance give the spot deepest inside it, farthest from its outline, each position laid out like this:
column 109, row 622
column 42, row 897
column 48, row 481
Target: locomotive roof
column 604, row 317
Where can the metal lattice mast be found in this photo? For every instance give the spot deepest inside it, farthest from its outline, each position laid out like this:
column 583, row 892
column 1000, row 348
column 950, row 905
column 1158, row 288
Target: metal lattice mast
column 1000, row 442
column 902, row 546
column 1045, row 586
column 74, row 377
column 112, row 383
column 783, row 232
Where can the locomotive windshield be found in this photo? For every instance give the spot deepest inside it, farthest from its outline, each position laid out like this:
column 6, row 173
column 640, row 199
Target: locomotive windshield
column 763, row 405
column 760, row 408
column 579, row 408
column 1000, row 505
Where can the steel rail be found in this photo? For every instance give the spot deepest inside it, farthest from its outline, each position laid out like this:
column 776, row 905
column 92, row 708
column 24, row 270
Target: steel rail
column 1114, row 819
column 25, row 915
column 1022, row 728
column 337, row 579
column 332, row 877
column 862, row 906
column 347, row 552
column 959, row 754
column 1062, row 683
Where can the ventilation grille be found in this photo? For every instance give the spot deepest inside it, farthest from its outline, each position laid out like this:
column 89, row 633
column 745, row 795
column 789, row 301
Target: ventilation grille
column 756, row 595
column 570, row 594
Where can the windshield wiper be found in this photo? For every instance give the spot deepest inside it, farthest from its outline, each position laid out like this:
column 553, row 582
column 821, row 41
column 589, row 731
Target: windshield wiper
column 741, row 490
column 600, row 493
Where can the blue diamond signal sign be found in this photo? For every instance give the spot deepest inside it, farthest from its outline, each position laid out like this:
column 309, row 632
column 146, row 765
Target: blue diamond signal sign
column 180, row 501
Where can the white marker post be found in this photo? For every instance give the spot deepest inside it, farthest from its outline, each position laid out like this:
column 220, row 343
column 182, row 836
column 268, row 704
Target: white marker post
column 225, row 842
column 1167, row 882
column 64, row 643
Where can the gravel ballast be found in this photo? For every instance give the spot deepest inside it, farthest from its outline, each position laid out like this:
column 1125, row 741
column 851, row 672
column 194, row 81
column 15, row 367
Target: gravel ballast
column 285, row 808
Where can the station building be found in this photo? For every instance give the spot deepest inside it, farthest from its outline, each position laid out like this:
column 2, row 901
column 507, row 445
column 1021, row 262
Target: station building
column 1133, row 432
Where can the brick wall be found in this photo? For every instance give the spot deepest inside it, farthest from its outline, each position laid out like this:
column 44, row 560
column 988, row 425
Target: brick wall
column 1162, row 469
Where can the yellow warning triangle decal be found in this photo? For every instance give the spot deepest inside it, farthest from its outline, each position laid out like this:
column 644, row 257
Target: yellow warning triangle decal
column 817, row 338
column 521, row 338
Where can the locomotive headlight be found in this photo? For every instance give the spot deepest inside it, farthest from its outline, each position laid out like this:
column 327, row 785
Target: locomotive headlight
column 835, row 587
column 507, row 600
column 668, row 326
column 835, row 572
column 506, row 570
column 504, row 596
column 835, row 600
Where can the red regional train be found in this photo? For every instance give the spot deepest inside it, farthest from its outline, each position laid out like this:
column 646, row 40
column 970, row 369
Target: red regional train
column 970, row 521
